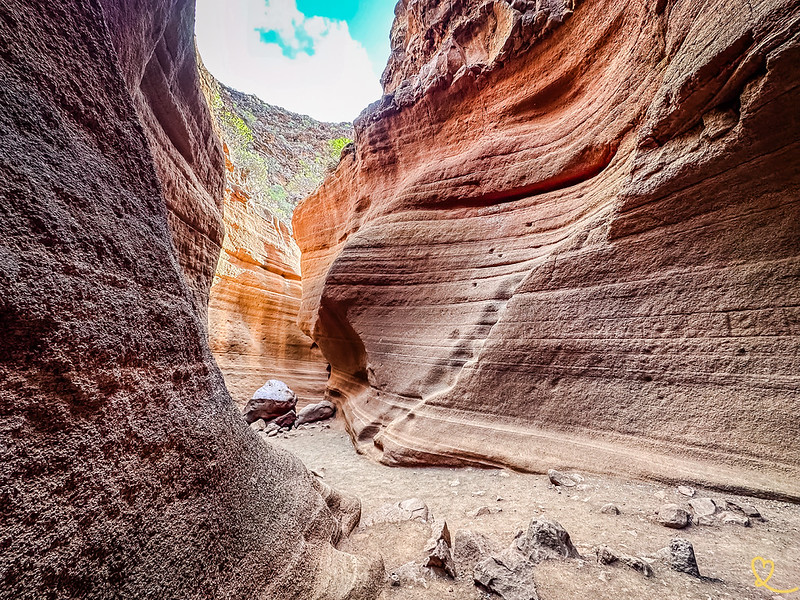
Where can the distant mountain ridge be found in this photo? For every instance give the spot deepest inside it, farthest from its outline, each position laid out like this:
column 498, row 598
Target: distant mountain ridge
column 278, row 157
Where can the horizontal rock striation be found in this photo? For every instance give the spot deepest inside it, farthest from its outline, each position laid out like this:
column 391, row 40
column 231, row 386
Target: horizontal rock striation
column 569, row 236
column 126, row 469
column 253, row 307
column 274, row 158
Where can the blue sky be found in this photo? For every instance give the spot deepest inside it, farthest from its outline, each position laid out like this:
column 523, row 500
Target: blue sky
column 321, row 58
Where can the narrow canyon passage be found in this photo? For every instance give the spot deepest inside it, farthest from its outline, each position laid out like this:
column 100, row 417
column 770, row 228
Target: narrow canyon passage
column 528, row 328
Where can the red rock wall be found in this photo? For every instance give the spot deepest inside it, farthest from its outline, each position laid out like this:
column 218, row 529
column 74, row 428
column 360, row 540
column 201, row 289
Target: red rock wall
column 126, row 469
column 571, row 238
column 253, row 307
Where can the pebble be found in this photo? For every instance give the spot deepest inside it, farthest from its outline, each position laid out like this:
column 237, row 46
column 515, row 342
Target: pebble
column 560, row 479
column 610, row 509
column 686, row 490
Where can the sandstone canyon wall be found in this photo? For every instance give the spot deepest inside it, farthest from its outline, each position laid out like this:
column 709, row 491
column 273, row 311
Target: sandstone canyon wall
column 274, row 159
column 569, row 236
column 126, row 470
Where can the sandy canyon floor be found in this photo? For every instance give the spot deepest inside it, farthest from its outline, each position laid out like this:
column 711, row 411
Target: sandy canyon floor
column 724, row 552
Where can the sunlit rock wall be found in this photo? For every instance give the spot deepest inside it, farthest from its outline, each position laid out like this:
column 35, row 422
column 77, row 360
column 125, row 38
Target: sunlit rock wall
column 569, row 236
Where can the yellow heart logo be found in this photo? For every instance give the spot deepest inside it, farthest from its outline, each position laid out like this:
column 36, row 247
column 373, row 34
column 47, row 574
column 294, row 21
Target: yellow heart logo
column 763, row 566
column 759, row 566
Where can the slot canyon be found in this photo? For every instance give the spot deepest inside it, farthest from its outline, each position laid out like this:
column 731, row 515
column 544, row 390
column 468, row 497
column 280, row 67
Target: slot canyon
column 550, row 282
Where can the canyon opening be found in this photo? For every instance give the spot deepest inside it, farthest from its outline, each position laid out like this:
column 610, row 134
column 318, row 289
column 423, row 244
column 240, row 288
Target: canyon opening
column 523, row 325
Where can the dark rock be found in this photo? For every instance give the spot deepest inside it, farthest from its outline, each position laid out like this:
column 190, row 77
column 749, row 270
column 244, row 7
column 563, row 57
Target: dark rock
column 544, row 540
column 747, row 509
column 508, row 574
column 273, row 399
column 469, row 548
column 605, row 555
column 316, row 412
column 286, row 420
column 682, row 558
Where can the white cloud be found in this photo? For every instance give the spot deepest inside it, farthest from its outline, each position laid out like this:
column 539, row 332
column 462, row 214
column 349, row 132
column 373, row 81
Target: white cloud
column 333, row 82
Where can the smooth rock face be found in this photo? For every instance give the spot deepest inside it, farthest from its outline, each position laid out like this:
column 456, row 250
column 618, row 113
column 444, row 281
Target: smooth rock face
column 127, row 471
column 571, row 237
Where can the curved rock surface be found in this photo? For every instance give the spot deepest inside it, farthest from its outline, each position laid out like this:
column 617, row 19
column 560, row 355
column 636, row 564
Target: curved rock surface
column 255, row 296
column 126, row 469
column 253, row 307
column 569, row 236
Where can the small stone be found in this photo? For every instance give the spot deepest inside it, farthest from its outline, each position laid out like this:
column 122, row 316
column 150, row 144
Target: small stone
column 259, row 425
column 272, row 426
column 682, row 558
column 438, row 549
column 479, row 493
column 703, row 507
column 610, row 509
column 407, row 510
column 706, row 521
column 500, row 498
column 504, row 474
column 273, row 433
column 730, row 518
column 686, row 490
column 673, row 516
column 560, row 479
column 747, row 509
column 605, row 555
column 480, row 512
column 455, row 483
column 287, row 420
column 637, row 564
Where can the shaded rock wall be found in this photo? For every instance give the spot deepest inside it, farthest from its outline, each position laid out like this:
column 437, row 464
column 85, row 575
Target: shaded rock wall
column 253, row 307
column 274, row 158
column 570, row 236
column 125, row 469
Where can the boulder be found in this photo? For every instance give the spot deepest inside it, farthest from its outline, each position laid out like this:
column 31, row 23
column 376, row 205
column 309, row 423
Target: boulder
column 673, row 516
column 439, row 550
column 470, row 547
column 274, row 399
column 287, row 420
column 316, row 412
column 703, row 507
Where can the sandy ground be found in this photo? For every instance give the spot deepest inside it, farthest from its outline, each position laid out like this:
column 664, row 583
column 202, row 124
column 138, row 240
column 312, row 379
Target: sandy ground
column 724, row 552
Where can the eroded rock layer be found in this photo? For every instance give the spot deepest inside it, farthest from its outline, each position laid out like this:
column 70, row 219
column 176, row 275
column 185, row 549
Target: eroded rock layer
column 570, row 237
column 126, row 469
column 274, row 158
column 253, row 306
